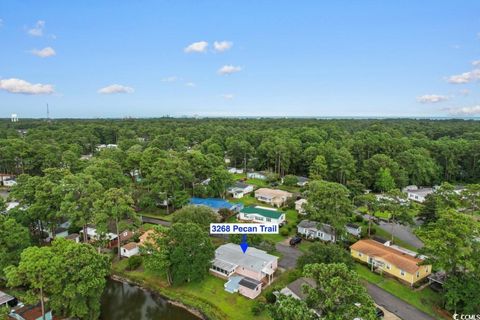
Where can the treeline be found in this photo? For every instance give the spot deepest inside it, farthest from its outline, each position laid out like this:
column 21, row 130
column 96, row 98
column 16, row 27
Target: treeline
column 421, row 152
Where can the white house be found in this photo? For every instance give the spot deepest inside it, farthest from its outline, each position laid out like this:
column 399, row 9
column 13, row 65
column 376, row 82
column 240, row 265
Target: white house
column 302, row 181
column 353, row 229
column 316, row 230
column 418, row 194
column 261, row 215
column 300, row 206
column 129, row 250
column 235, row 170
column 261, row 175
column 273, row 197
column 9, row 182
column 239, row 189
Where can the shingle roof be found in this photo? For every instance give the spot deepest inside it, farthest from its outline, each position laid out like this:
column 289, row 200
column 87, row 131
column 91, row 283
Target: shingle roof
column 130, row 246
column 397, row 258
column 307, row 224
column 274, row 214
column 4, row 298
column 253, row 259
column 297, row 286
column 267, row 192
column 302, row 179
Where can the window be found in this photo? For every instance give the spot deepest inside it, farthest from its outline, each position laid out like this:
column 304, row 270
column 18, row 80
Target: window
column 389, row 266
column 418, row 274
column 360, row 254
column 426, row 269
column 402, row 273
column 321, row 235
column 269, row 220
column 370, row 260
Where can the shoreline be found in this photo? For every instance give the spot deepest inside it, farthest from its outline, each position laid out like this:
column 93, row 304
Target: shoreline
column 176, row 303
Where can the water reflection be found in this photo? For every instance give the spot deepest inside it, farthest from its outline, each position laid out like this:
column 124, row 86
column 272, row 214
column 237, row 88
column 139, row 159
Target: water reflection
column 122, row 301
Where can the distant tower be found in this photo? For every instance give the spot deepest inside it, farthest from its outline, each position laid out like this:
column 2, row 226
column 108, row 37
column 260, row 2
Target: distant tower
column 48, row 112
column 14, row 117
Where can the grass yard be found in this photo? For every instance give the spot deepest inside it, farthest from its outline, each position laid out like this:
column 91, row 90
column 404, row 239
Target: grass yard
column 425, row 300
column 208, row 296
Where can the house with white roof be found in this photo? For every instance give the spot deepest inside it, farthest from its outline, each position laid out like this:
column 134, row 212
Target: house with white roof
column 300, row 206
column 247, row 273
column 273, row 197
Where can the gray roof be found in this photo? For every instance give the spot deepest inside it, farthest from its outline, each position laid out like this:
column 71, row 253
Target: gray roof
column 302, row 179
column 307, row 224
column 240, row 185
column 352, row 225
column 249, row 283
column 4, row 298
column 423, row 192
column 253, row 259
column 297, row 286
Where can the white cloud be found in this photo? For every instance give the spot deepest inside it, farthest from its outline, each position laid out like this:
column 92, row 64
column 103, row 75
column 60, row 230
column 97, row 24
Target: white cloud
column 432, row 98
column 476, row 63
column 44, row 53
column 465, row 77
column 115, row 88
column 170, row 79
column 229, row 69
column 228, row 96
column 465, row 111
column 222, row 46
column 464, row 92
column 20, row 86
column 37, row 31
column 190, row 84
column 200, row 46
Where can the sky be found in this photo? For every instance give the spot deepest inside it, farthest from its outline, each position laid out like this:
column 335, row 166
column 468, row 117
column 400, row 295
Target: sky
column 92, row 59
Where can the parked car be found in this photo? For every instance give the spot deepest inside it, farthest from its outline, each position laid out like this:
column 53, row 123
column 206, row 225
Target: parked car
column 379, row 313
column 274, row 184
column 295, row 240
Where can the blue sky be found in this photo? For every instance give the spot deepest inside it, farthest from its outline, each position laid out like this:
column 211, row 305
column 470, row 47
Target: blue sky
column 282, row 58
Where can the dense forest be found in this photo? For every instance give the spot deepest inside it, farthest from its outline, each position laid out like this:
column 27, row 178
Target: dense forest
column 103, row 172
column 421, row 152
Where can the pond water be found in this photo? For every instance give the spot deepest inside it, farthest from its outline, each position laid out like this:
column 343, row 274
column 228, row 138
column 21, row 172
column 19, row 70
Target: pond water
column 122, row 301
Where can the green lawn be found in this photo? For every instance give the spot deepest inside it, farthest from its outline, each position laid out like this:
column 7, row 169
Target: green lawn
column 208, row 295
column 425, row 300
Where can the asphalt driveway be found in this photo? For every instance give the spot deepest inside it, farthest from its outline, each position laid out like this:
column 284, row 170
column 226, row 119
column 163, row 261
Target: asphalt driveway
column 289, row 257
column 393, row 304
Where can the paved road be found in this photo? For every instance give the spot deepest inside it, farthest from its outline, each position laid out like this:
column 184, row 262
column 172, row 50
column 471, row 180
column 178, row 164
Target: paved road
column 393, row 304
column 404, row 233
column 290, row 256
column 156, row 221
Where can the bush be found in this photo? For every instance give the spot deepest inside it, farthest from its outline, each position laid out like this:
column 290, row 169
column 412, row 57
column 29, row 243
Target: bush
column 358, row 218
column 290, row 180
column 257, row 308
column 271, row 298
column 134, row 262
column 294, row 275
column 284, row 232
column 266, row 245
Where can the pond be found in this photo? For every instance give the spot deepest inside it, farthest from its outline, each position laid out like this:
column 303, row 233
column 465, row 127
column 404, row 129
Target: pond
column 122, row 301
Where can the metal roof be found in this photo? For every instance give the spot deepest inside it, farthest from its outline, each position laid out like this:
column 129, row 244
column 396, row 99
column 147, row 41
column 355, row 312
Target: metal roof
column 274, row 214
column 253, row 259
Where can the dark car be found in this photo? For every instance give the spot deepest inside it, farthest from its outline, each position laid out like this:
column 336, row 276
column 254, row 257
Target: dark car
column 379, row 313
column 295, row 240
column 274, row 184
